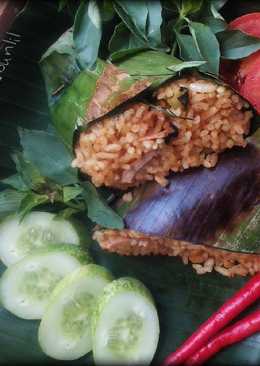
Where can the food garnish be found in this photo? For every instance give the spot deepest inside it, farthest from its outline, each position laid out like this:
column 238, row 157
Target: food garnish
column 246, row 296
column 242, row 329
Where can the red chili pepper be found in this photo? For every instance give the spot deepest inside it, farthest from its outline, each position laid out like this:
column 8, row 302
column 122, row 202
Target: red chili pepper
column 233, row 334
column 247, row 295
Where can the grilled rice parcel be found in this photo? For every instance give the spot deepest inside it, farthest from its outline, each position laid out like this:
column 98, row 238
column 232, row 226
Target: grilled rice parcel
column 191, row 121
column 134, row 132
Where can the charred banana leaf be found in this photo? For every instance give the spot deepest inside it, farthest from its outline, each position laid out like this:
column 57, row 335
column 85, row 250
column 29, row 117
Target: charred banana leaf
column 218, row 207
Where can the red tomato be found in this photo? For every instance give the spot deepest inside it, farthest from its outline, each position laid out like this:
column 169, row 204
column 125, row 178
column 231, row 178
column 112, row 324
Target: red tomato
column 244, row 75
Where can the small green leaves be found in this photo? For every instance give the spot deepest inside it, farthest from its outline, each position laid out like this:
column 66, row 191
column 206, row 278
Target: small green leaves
column 87, row 33
column 98, row 210
column 236, row 44
column 49, row 155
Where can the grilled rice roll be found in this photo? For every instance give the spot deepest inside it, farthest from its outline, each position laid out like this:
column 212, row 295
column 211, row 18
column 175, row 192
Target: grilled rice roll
column 140, row 144
column 209, row 217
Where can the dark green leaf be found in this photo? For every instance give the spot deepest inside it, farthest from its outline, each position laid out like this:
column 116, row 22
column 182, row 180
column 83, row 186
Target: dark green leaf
column 190, row 6
column 186, row 65
column 143, row 19
column 10, row 201
column 134, row 14
column 49, row 155
column 123, row 42
column 59, row 65
column 30, row 201
column 235, row 44
column 188, row 49
column 207, row 46
column 27, row 171
column 216, row 25
column 87, row 33
column 98, row 210
column 69, row 193
column 153, row 23
column 107, row 10
column 218, row 4
column 15, row 181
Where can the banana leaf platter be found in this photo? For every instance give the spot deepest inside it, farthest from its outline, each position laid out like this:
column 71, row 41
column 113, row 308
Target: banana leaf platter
column 183, row 299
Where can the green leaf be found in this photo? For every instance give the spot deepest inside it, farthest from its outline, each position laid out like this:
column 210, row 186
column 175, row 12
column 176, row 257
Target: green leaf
column 153, row 23
column 134, row 14
column 29, row 174
column 123, row 42
column 216, row 25
column 15, row 181
column 10, row 201
column 62, row 4
column 152, row 64
column 59, row 64
column 143, row 19
column 30, row 201
column 69, row 193
column 215, row 11
column 188, row 49
column 235, row 44
column 107, row 10
column 190, row 7
column 70, row 110
column 98, row 210
column 49, row 155
column 186, row 65
column 218, row 4
column 67, row 213
column 207, row 46
column 87, row 33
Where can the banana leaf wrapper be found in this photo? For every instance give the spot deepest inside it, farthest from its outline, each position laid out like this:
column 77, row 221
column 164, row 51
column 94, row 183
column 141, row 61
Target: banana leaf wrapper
column 215, row 207
column 77, row 97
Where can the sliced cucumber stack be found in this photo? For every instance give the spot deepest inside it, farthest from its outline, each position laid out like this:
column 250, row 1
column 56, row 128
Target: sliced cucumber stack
column 36, row 230
column 65, row 329
column 125, row 324
column 26, row 286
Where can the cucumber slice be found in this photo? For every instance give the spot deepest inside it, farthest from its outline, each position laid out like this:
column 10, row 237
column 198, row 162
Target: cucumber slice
column 36, row 230
column 25, row 287
column 125, row 324
column 65, row 329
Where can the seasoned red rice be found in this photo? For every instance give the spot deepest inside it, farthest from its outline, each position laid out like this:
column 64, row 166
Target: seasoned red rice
column 130, row 148
column 204, row 259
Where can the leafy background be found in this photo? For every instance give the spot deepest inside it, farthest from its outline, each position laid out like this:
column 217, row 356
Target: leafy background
column 183, row 299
